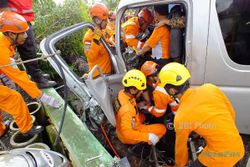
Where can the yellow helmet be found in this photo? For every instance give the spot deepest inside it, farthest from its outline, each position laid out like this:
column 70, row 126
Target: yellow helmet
column 174, row 74
column 134, row 78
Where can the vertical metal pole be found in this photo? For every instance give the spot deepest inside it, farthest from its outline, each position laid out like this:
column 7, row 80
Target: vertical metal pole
column 155, row 156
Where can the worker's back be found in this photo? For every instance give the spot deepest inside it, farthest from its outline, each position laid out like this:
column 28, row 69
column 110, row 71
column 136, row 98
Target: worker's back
column 207, row 111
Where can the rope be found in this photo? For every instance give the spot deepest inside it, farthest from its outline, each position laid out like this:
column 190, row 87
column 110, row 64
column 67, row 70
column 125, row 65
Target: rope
column 43, row 57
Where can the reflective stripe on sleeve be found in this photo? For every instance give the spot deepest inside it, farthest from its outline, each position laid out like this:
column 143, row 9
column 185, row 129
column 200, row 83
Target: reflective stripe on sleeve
column 129, row 36
column 150, row 109
column 173, row 104
column 159, row 110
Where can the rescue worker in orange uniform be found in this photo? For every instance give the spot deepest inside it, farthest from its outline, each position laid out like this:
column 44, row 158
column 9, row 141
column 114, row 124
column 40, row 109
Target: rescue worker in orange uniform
column 13, row 29
column 160, row 98
column 206, row 111
column 93, row 48
column 28, row 49
column 110, row 29
column 134, row 26
column 159, row 40
column 129, row 126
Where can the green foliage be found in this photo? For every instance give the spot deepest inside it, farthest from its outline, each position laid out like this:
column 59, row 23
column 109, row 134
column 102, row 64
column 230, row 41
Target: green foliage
column 51, row 18
column 111, row 4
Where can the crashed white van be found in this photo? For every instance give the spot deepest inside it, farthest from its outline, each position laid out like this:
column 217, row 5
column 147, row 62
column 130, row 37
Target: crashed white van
column 216, row 49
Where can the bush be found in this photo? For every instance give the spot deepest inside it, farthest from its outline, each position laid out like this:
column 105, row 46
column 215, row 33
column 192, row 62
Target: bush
column 51, row 18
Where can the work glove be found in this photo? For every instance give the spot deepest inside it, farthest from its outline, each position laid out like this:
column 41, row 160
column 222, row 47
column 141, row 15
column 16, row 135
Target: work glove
column 152, row 138
column 97, row 35
column 50, row 101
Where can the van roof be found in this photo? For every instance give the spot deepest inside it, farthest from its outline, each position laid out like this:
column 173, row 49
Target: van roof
column 130, row 2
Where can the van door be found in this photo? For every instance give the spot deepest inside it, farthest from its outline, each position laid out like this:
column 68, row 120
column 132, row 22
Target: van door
column 103, row 89
column 228, row 55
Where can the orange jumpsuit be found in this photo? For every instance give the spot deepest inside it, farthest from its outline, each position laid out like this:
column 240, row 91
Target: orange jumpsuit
column 162, row 99
column 96, row 54
column 131, row 28
column 10, row 100
column 159, row 42
column 207, row 111
column 129, row 126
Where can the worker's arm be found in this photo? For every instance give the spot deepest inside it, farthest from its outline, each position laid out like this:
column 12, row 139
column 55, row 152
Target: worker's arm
column 91, row 50
column 144, row 49
column 181, row 150
column 19, row 77
column 152, row 41
column 162, row 100
column 130, row 37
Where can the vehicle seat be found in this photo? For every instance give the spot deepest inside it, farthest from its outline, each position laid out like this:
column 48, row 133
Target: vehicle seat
column 176, row 37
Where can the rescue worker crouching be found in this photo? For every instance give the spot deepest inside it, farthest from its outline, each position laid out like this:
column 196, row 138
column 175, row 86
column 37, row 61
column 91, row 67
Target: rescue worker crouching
column 206, row 111
column 129, row 126
column 160, row 99
column 13, row 29
column 94, row 50
column 159, row 40
column 162, row 109
column 28, row 49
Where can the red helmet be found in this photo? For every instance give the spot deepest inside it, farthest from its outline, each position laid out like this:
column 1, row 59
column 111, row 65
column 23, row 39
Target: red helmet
column 146, row 15
column 100, row 10
column 12, row 22
column 149, row 68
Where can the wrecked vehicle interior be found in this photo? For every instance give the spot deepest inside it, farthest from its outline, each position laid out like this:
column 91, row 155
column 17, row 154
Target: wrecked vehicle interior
column 96, row 95
column 84, row 129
